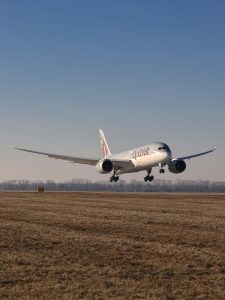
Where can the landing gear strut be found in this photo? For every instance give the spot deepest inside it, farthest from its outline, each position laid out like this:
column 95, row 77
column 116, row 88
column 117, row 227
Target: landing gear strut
column 148, row 177
column 161, row 170
column 114, row 177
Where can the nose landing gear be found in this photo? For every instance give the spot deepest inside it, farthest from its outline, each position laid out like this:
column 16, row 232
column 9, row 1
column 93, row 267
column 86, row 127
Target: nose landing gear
column 161, row 170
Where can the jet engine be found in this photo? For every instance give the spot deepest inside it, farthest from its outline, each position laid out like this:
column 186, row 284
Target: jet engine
column 177, row 166
column 104, row 166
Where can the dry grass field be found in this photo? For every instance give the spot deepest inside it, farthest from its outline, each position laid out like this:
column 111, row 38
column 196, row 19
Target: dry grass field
column 112, row 246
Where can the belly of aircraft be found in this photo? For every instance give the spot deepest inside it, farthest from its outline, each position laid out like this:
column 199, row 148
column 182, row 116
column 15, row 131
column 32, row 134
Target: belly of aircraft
column 142, row 163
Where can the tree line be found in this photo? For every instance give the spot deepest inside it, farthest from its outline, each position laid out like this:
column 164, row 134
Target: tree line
column 192, row 186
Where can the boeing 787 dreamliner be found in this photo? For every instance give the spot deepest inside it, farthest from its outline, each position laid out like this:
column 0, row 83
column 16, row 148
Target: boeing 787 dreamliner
column 140, row 159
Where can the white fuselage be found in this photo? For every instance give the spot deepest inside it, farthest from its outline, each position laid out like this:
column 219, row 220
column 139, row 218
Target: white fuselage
column 144, row 158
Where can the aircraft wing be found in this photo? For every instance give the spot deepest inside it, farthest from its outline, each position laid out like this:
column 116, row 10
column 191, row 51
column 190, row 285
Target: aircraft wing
column 196, row 155
column 78, row 160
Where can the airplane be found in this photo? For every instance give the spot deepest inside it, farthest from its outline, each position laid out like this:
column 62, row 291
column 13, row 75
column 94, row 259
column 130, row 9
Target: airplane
column 139, row 159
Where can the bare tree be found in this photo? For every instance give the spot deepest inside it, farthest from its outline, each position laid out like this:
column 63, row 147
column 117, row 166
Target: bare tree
column 121, row 186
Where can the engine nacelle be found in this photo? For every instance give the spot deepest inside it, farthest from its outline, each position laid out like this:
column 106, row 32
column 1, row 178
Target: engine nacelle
column 177, row 166
column 104, row 166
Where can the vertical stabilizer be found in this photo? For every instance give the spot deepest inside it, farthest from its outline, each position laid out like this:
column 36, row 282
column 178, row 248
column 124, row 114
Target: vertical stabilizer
column 104, row 145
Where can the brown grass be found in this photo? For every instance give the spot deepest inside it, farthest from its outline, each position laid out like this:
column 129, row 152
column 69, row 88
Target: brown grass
column 112, row 246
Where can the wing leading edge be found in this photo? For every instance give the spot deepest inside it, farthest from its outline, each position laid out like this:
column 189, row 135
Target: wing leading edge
column 78, row 160
column 196, row 155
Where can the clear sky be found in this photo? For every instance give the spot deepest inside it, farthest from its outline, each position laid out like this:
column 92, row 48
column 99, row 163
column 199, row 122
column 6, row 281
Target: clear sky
column 143, row 71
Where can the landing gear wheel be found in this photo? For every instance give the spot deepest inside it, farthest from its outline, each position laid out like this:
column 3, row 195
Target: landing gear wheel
column 114, row 178
column 148, row 178
column 151, row 178
column 161, row 171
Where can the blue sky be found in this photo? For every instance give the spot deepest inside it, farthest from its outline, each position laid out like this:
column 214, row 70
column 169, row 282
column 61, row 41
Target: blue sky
column 144, row 71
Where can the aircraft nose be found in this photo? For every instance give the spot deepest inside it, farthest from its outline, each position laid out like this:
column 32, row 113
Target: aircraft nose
column 168, row 155
column 165, row 154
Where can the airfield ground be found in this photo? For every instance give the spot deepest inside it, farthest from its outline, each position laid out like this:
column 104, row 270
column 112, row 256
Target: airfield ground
column 112, row 246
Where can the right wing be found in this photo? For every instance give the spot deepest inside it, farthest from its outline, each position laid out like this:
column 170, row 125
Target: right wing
column 78, row 160
column 196, row 155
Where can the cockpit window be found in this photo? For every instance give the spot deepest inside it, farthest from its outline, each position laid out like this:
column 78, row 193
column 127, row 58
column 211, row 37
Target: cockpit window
column 163, row 148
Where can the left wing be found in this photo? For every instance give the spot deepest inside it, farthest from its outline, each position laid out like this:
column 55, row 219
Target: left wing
column 196, row 155
column 73, row 159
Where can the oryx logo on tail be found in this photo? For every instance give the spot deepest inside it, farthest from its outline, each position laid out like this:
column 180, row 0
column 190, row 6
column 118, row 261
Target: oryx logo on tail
column 104, row 145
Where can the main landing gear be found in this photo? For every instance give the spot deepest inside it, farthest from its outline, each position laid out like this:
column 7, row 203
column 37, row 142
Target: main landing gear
column 114, row 177
column 148, row 177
